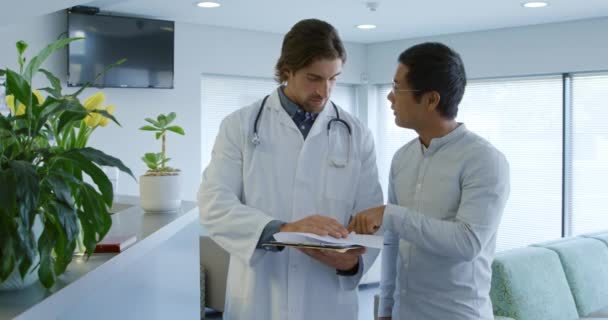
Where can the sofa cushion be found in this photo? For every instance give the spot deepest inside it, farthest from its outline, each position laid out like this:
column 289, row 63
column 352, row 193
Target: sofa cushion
column 602, row 236
column 585, row 262
column 530, row 284
column 602, row 313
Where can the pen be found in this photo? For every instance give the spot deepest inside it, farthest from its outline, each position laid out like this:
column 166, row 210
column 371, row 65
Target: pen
column 350, row 218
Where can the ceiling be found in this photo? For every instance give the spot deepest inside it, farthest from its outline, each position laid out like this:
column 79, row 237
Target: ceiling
column 396, row 19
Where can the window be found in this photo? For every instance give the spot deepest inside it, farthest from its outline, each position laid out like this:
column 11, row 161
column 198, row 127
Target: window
column 222, row 95
column 388, row 137
column 589, row 154
column 523, row 119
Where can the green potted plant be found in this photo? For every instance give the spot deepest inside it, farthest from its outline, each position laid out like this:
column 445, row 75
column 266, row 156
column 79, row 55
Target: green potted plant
column 45, row 202
column 160, row 186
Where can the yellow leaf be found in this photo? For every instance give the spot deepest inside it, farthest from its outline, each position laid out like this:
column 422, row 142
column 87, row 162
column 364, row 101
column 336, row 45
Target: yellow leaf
column 38, row 96
column 104, row 122
column 10, row 101
column 20, row 109
column 92, row 120
column 110, row 109
column 95, row 101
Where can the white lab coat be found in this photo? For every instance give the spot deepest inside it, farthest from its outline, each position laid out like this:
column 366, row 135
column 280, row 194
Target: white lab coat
column 287, row 178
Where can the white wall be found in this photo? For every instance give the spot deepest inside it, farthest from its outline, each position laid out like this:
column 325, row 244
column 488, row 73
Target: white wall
column 14, row 12
column 37, row 32
column 198, row 49
column 543, row 49
column 553, row 48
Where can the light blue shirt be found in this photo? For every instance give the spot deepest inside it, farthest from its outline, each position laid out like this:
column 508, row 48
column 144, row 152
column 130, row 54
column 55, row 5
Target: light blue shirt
column 445, row 205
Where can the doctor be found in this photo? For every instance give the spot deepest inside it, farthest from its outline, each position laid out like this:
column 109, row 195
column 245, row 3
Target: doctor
column 292, row 161
column 447, row 192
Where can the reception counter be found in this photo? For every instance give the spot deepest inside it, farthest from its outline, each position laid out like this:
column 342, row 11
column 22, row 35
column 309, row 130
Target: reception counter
column 155, row 278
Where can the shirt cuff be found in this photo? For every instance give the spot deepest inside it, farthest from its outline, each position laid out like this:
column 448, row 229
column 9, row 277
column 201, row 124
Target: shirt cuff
column 391, row 218
column 270, row 229
column 352, row 272
column 385, row 307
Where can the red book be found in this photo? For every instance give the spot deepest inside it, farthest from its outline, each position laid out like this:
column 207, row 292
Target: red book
column 115, row 243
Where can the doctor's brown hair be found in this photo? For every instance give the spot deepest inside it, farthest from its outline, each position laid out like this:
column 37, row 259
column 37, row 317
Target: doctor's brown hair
column 308, row 41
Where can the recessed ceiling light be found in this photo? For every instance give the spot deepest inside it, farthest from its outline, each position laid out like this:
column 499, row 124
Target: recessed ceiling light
column 535, row 4
column 208, row 4
column 366, row 26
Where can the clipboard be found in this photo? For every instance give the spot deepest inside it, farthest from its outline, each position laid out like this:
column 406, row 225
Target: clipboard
column 319, row 246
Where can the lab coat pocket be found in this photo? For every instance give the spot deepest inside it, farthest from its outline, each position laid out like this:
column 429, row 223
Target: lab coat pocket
column 341, row 183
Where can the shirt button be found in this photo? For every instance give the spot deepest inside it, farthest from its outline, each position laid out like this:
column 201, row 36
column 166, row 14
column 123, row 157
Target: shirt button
column 303, row 127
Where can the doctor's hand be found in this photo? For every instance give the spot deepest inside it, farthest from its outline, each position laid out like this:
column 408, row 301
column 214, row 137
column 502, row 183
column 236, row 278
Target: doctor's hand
column 339, row 261
column 367, row 221
column 317, row 224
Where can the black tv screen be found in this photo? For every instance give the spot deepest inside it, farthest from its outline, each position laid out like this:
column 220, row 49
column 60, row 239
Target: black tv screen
column 146, row 44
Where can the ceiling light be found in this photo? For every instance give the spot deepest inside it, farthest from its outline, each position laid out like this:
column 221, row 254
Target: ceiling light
column 535, row 4
column 208, row 4
column 366, row 26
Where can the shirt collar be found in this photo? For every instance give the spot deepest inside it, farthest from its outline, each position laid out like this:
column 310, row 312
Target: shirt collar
column 291, row 107
column 437, row 143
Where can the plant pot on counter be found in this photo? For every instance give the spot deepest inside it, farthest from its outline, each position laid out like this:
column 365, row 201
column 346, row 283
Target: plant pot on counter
column 160, row 192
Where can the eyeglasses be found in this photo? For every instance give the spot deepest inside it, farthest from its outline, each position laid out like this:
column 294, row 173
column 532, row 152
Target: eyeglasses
column 395, row 89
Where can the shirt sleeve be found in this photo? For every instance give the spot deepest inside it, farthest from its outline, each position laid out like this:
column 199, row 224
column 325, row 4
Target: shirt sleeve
column 271, row 228
column 388, row 277
column 484, row 192
column 353, row 271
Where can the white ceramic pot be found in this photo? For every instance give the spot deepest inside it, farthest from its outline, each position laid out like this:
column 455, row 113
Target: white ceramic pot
column 160, row 193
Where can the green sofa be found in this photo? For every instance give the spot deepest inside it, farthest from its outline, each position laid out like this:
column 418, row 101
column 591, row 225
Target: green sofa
column 559, row 280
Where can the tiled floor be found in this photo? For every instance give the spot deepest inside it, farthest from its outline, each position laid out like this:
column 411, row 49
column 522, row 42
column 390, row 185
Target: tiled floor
column 366, row 304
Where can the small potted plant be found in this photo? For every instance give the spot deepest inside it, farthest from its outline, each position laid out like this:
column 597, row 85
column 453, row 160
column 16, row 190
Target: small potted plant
column 160, row 187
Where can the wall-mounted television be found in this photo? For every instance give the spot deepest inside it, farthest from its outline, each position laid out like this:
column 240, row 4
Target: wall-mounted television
column 146, row 44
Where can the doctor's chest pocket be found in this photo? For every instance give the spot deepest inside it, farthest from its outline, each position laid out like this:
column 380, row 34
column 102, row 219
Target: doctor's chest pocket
column 341, row 182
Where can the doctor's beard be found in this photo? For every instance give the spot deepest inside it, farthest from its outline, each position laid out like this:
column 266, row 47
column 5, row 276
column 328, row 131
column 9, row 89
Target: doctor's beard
column 315, row 104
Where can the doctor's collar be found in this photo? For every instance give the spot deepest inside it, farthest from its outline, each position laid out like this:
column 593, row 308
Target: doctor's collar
column 291, row 107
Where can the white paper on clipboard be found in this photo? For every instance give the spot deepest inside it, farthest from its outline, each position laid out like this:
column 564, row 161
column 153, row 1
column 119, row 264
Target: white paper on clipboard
column 364, row 240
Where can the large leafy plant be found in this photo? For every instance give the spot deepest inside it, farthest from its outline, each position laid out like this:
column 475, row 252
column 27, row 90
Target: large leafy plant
column 156, row 162
column 43, row 162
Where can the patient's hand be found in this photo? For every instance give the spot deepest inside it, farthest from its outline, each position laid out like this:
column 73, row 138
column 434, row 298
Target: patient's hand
column 367, row 221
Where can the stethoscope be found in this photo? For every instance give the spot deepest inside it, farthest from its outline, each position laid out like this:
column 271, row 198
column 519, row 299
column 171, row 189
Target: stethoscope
column 334, row 161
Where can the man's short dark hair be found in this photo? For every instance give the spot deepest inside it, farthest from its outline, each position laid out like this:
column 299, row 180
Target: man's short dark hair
column 308, row 41
column 435, row 67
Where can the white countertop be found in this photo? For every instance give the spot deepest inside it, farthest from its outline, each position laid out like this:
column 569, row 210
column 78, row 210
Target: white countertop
column 151, row 229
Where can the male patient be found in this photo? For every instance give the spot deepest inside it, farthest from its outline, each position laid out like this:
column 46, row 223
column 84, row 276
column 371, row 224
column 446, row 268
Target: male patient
column 447, row 191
